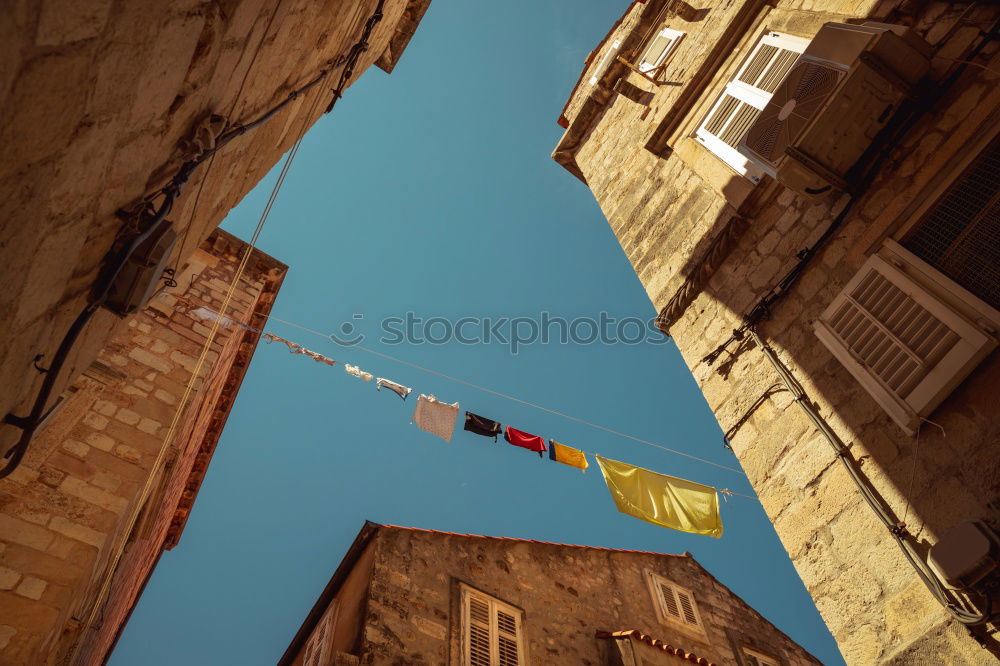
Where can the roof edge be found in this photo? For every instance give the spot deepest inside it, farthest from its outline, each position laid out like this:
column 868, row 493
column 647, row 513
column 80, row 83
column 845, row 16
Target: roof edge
column 405, row 29
column 534, row 541
column 361, row 541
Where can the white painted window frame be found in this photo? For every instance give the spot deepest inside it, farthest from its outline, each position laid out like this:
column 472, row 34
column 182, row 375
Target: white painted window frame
column 605, row 62
column 748, row 94
column 646, row 65
column 935, row 293
column 656, row 584
column 317, row 650
column 762, row 659
column 495, row 606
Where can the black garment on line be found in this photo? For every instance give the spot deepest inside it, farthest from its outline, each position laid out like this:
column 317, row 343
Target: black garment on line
column 482, row 426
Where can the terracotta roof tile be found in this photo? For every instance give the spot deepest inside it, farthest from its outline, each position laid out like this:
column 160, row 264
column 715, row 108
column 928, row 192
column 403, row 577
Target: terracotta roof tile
column 547, row 543
column 658, row 644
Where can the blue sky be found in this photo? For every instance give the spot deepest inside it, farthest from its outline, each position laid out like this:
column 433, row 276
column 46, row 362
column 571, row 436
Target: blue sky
column 431, row 191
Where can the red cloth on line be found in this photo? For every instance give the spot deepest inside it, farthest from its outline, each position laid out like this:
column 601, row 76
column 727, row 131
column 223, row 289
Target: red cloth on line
column 524, row 440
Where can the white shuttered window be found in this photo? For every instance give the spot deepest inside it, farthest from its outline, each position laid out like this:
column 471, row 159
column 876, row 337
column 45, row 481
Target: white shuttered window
column 317, row 651
column 673, row 602
column 902, row 341
column 491, row 631
column 659, row 49
column 605, row 62
column 745, row 96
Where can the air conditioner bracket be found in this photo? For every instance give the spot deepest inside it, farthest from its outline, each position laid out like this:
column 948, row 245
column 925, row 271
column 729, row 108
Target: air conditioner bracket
column 877, row 65
column 816, row 167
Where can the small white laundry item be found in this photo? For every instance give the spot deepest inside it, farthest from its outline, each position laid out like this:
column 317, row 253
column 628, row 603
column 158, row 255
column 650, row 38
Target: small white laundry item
column 398, row 389
column 436, row 417
column 358, row 372
column 206, row 314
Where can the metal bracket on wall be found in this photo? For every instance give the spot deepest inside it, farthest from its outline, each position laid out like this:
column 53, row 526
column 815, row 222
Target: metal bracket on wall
column 740, row 422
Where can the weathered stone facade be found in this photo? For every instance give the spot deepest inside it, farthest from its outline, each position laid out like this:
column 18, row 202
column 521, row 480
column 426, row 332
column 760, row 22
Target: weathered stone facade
column 710, row 243
column 97, row 100
column 397, row 598
column 65, row 512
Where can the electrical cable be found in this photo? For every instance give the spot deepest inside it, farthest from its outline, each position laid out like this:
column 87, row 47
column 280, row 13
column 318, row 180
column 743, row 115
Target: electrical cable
column 148, row 217
column 189, row 388
column 869, row 494
column 872, row 160
column 232, row 110
column 501, row 395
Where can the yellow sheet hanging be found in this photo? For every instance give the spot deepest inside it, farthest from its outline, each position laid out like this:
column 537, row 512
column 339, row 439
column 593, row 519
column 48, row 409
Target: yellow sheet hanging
column 662, row 500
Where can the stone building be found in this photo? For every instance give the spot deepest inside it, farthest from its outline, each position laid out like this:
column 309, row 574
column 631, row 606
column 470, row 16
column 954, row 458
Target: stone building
column 104, row 102
column 103, row 490
column 412, row 596
column 810, row 198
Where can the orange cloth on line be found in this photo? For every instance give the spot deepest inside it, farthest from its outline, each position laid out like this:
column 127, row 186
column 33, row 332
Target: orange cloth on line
column 567, row 455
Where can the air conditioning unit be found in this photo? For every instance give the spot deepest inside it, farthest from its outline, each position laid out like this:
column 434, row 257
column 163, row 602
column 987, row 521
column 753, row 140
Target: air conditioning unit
column 841, row 91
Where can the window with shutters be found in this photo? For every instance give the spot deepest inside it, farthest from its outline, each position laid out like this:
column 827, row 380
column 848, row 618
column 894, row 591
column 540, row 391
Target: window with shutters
column 605, row 62
column 660, row 47
column 674, row 603
column 745, row 96
column 754, row 658
column 959, row 235
column 896, row 330
column 491, row 631
column 318, row 651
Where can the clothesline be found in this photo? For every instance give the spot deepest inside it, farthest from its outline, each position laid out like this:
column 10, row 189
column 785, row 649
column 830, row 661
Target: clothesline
column 656, row 498
column 295, row 348
column 663, row 500
column 512, row 398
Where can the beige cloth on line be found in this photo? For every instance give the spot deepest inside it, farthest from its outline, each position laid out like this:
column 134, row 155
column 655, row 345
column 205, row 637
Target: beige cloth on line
column 398, row 389
column 358, row 372
column 436, row 417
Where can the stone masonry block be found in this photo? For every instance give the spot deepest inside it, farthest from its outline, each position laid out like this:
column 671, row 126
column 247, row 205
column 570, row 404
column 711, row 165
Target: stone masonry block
column 127, row 416
column 149, row 426
column 32, row 588
column 100, row 441
column 95, row 421
column 7, row 632
column 151, row 360
column 104, row 407
column 126, row 452
column 24, row 533
column 77, row 448
column 63, row 21
column 76, row 531
column 94, row 495
column 8, row 578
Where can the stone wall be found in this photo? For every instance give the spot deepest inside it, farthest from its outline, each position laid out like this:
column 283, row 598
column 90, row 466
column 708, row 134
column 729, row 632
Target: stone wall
column 95, row 98
column 665, row 208
column 567, row 594
column 65, row 512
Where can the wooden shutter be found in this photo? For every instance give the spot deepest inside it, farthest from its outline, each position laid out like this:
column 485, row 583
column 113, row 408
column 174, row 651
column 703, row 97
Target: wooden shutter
column 905, row 345
column 605, row 62
column 508, row 639
column 688, row 613
column 675, row 602
column 318, row 646
column 492, row 631
column 745, row 96
column 658, row 50
column 478, row 632
column 668, row 601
